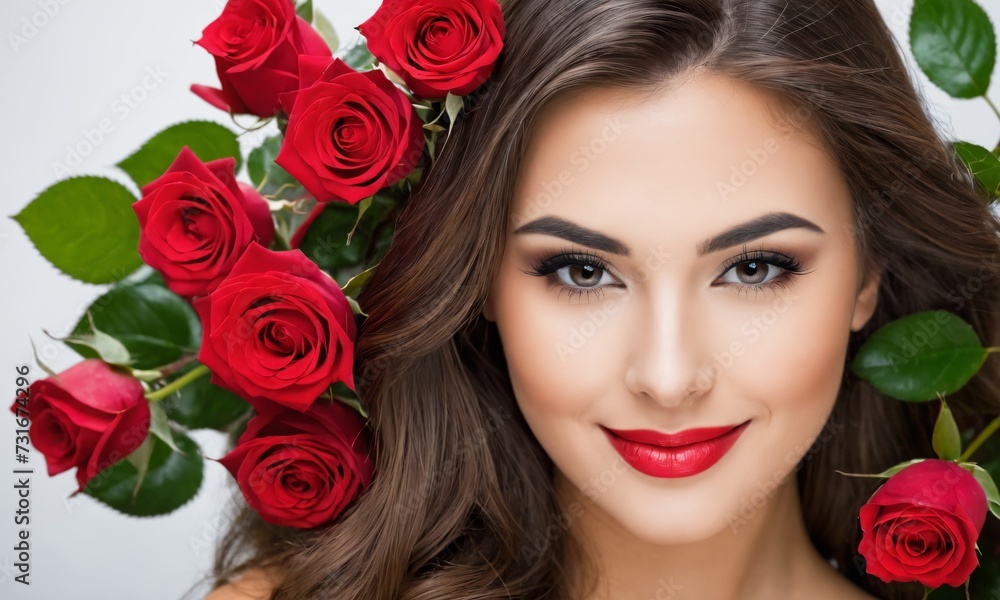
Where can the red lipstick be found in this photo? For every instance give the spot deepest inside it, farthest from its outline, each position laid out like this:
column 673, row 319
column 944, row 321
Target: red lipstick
column 680, row 454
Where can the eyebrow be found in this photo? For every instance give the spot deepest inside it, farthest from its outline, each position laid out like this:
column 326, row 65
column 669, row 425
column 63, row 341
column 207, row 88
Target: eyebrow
column 739, row 234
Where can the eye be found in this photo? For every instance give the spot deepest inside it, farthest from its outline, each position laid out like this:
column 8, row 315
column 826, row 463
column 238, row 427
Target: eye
column 576, row 273
column 583, row 275
column 760, row 270
column 753, row 272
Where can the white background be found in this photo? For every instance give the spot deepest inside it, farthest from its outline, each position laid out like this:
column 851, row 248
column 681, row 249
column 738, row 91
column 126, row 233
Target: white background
column 67, row 78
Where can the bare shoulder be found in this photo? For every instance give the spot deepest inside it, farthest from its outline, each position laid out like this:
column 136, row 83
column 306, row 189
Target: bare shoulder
column 254, row 584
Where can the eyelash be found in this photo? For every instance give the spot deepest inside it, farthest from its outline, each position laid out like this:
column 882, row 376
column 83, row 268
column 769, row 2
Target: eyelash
column 567, row 258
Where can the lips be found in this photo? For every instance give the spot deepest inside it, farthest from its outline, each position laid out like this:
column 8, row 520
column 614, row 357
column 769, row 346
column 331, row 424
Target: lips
column 679, row 454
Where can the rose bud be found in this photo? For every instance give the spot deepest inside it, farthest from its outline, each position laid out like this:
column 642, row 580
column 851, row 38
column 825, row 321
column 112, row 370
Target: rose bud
column 90, row 418
column 302, row 469
column 256, row 45
column 196, row 221
column 922, row 525
column 277, row 329
column 349, row 134
column 437, row 46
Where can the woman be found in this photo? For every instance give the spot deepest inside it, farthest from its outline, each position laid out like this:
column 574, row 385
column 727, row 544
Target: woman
column 734, row 195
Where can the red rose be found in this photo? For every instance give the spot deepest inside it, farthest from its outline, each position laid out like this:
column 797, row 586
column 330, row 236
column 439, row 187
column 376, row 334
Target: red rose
column 277, row 329
column 256, row 45
column 349, row 134
column 922, row 525
column 196, row 220
column 437, row 46
column 301, row 469
column 91, row 418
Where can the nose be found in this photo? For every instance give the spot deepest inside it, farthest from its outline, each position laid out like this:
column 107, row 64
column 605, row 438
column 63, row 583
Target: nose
column 663, row 360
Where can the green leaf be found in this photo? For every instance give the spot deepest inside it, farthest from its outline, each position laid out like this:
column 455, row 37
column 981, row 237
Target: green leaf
column 358, row 57
column 921, row 355
column 171, row 479
column 156, row 326
column 261, row 165
column 208, row 140
column 326, row 31
column 989, row 487
column 108, row 348
column 339, row 392
column 453, row 105
column 86, row 228
column 363, row 207
column 305, row 10
column 202, row 405
column 357, row 282
column 947, row 441
column 888, row 472
column 355, row 307
column 159, row 426
column 954, row 43
column 325, row 242
column 140, row 460
column 48, row 370
column 985, row 165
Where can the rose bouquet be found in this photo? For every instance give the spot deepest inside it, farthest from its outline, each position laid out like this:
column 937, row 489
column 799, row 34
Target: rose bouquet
column 232, row 298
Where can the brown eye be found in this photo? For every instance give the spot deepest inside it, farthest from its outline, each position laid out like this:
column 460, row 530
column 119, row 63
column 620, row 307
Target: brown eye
column 752, row 272
column 576, row 273
column 583, row 275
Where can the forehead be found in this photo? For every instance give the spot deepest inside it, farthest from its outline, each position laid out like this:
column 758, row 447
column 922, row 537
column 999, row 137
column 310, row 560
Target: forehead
column 705, row 151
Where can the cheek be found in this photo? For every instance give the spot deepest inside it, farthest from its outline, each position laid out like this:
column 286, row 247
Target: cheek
column 794, row 365
column 551, row 372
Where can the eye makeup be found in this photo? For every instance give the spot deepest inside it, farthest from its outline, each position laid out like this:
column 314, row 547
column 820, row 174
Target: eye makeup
column 593, row 265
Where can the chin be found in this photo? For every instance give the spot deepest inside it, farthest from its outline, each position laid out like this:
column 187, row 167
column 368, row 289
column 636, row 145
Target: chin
column 660, row 523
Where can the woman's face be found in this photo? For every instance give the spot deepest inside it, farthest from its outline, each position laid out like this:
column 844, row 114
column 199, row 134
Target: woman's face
column 677, row 263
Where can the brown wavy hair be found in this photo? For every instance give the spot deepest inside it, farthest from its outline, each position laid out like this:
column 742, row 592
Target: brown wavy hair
column 462, row 504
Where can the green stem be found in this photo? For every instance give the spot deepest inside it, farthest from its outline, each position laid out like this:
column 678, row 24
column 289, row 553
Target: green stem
column 980, row 439
column 993, row 106
column 177, row 384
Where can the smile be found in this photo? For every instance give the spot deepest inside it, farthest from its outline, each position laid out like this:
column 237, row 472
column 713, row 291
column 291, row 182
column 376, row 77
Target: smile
column 680, row 454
